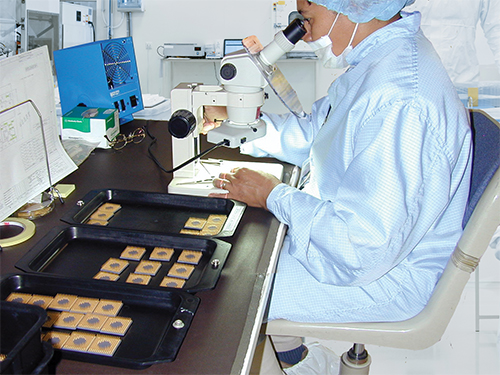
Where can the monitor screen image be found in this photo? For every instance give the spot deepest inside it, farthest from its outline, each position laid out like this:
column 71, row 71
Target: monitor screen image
column 232, row 45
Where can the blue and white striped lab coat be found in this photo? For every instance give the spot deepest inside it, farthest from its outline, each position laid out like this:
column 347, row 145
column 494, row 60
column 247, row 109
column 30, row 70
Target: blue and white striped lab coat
column 372, row 231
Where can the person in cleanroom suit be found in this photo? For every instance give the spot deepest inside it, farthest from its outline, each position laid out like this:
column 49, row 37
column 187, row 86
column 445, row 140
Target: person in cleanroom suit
column 451, row 26
column 385, row 158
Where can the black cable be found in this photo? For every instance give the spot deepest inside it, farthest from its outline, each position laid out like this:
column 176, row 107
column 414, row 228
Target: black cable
column 157, row 162
column 93, row 29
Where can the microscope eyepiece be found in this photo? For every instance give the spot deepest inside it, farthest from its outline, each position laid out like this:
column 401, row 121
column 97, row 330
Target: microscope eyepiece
column 295, row 31
column 284, row 41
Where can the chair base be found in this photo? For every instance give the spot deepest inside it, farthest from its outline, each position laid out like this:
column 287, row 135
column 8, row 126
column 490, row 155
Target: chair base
column 356, row 361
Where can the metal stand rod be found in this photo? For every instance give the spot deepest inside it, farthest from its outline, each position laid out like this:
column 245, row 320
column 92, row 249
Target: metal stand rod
column 477, row 301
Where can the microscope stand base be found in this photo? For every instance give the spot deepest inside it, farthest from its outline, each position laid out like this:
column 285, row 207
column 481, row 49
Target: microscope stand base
column 201, row 183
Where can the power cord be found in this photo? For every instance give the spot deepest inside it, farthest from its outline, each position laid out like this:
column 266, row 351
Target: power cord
column 159, row 54
column 93, row 29
column 200, row 155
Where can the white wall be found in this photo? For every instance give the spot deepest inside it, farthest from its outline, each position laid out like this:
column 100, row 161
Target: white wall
column 198, row 21
column 206, row 21
column 51, row 6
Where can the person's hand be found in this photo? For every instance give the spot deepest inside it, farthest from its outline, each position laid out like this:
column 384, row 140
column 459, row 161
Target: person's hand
column 253, row 44
column 212, row 117
column 246, row 185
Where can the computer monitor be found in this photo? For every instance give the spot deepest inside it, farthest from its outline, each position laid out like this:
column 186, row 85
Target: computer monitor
column 101, row 74
column 232, row 45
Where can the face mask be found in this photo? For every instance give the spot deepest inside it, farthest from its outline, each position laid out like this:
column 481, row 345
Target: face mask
column 323, row 50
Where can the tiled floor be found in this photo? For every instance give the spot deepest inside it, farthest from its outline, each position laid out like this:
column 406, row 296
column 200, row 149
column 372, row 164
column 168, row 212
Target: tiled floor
column 462, row 350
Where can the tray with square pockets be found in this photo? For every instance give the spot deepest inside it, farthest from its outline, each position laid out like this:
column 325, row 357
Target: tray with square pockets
column 157, row 319
column 155, row 212
column 151, row 260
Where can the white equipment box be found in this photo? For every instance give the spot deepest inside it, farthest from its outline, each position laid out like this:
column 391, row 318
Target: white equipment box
column 76, row 21
column 183, row 50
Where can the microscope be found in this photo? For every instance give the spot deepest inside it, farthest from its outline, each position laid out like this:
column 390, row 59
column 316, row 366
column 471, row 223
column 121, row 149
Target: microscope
column 243, row 77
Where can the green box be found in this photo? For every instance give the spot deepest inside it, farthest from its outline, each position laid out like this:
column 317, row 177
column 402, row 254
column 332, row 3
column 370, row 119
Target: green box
column 91, row 124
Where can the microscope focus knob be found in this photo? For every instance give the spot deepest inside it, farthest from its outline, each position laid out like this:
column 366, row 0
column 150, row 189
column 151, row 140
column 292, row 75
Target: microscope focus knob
column 228, row 71
column 181, row 123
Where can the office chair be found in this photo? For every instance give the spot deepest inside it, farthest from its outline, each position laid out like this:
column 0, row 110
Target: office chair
column 481, row 219
column 486, row 139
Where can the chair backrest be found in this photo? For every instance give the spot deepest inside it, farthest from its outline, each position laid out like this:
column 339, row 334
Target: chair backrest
column 486, row 157
column 477, row 235
column 482, row 219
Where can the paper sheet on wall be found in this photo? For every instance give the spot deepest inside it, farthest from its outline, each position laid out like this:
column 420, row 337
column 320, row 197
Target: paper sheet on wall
column 23, row 164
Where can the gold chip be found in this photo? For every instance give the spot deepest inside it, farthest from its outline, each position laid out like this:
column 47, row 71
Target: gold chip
column 56, row 339
column 103, row 275
column 181, row 270
column 211, row 229
column 217, row 219
column 114, row 265
column 63, row 302
column 108, row 307
column 85, row 305
column 162, row 254
column 117, row 325
column 92, row 322
column 190, row 256
column 135, row 278
column 109, row 207
column 104, row 345
column 208, row 232
column 79, row 341
column 172, row 282
column 190, row 231
column 195, row 223
column 40, row 300
column 97, row 222
column 133, row 253
column 19, row 297
column 101, row 215
column 68, row 320
column 51, row 318
column 148, row 267
column 2, row 357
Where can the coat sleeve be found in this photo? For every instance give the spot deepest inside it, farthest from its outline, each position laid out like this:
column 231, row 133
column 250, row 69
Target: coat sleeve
column 289, row 138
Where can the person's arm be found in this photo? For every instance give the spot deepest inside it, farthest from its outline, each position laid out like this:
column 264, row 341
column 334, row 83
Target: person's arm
column 289, row 138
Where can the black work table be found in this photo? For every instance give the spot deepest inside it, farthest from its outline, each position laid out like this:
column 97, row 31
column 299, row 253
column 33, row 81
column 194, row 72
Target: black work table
column 221, row 338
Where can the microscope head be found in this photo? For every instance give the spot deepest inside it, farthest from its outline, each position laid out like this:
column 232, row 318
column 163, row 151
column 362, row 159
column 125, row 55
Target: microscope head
column 243, row 77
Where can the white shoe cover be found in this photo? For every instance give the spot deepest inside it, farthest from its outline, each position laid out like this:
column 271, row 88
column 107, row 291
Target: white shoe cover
column 318, row 361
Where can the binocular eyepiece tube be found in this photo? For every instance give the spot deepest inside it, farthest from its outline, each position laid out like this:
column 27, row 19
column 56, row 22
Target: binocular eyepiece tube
column 283, row 42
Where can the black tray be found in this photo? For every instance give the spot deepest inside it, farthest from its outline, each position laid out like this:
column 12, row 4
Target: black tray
column 80, row 251
column 21, row 327
column 160, row 318
column 156, row 212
